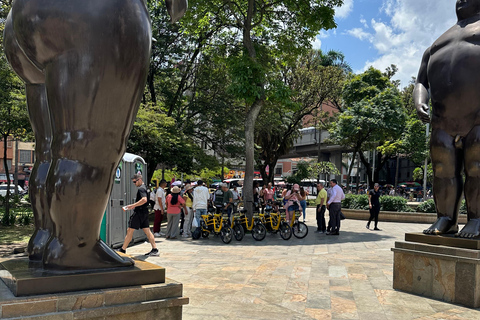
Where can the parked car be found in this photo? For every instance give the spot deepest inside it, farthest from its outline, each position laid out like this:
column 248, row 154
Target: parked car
column 3, row 190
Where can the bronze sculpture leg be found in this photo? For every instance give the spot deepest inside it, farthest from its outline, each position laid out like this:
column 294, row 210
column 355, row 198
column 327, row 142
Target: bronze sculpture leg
column 40, row 120
column 95, row 57
column 447, row 161
column 472, row 183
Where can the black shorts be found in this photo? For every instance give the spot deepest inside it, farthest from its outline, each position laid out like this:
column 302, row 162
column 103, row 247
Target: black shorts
column 139, row 221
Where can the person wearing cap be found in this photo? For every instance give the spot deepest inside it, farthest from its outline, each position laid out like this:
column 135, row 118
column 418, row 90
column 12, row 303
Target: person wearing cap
column 188, row 197
column 159, row 208
column 293, row 203
column 201, row 196
column 334, row 206
column 175, row 203
column 139, row 218
column 374, row 205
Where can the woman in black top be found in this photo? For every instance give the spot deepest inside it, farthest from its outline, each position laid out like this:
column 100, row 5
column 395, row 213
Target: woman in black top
column 374, row 204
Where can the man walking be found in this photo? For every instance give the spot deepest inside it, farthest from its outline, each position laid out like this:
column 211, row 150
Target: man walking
column 334, row 206
column 139, row 218
column 159, row 208
column 321, row 202
column 200, row 201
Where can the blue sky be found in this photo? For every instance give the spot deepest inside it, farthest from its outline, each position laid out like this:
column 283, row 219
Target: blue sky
column 383, row 32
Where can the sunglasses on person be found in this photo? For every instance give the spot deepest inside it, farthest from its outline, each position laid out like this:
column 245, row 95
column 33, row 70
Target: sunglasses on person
column 134, row 181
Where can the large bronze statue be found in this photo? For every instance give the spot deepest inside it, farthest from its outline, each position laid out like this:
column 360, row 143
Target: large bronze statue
column 84, row 63
column 450, row 69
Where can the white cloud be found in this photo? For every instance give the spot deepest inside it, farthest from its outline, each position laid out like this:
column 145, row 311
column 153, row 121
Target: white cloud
column 364, row 23
column 317, row 44
column 359, row 33
column 412, row 26
column 345, row 10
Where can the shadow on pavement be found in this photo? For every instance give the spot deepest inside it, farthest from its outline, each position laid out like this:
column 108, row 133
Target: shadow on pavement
column 310, row 239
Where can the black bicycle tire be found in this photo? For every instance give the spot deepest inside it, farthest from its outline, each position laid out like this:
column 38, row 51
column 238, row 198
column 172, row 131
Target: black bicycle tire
column 259, row 236
column 295, row 228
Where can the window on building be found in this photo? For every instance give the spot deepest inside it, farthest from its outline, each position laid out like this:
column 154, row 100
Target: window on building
column 25, row 156
column 9, row 164
column 278, row 170
column 408, row 174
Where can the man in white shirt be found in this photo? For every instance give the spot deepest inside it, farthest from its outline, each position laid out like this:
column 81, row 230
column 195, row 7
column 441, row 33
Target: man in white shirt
column 200, row 200
column 159, row 208
column 334, row 205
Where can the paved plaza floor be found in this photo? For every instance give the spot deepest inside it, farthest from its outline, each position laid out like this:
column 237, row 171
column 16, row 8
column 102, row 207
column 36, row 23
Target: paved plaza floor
column 319, row 277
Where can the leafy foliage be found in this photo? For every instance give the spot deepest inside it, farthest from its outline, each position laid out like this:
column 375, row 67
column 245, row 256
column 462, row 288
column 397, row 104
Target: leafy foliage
column 427, row 206
column 374, row 118
column 389, row 203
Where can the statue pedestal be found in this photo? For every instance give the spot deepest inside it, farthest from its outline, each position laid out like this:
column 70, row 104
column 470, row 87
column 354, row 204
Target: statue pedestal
column 64, row 300
column 439, row 267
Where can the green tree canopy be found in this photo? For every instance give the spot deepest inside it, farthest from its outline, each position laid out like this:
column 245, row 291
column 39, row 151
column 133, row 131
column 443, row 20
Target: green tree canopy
column 374, row 118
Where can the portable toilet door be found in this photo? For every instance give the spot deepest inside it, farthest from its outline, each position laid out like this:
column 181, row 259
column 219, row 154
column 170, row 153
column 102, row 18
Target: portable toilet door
column 134, row 165
column 116, row 217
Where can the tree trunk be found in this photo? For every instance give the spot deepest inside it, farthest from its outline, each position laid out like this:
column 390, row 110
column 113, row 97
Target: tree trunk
column 17, row 158
column 396, row 174
column 368, row 168
column 250, row 155
column 350, row 168
column 151, row 86
column 6, row 217
column 223, row 168
column 270, row 177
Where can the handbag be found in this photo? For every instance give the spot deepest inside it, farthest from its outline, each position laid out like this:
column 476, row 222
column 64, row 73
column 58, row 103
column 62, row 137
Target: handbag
column 342, row 216
column 195, row 223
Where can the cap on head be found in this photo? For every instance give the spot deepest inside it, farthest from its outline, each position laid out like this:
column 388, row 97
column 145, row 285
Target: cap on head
column 296, row 186
column 376, row 185
column 137, row 176
column 224, row 185
column 175, row 189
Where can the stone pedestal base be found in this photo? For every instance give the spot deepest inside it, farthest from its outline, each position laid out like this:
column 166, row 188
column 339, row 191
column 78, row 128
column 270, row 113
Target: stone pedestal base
column 155, row 301
column 440, row 272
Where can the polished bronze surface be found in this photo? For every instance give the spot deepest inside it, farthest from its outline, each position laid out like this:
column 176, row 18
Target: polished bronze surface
column 449, row 76
column 84, row 63
column 447, row 240
column 24, row 277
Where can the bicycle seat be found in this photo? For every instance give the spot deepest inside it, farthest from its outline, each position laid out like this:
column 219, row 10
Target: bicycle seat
column 243, row 211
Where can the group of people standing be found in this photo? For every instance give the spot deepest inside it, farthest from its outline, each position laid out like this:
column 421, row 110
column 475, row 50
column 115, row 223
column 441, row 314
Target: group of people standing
column 331, row 200
column 192, row 202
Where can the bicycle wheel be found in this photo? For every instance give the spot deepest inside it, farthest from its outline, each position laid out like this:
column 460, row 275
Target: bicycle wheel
column 300, row 230
column 259, row 232
column 285, row 231
column 226, row 234
column 238, row 232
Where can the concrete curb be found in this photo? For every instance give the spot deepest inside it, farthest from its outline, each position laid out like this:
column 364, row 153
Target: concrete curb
column 413, row 217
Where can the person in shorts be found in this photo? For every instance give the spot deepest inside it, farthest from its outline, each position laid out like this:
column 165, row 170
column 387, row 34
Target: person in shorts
column 139, row 218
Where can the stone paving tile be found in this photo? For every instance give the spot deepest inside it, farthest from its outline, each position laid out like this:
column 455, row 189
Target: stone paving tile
column 319, row 277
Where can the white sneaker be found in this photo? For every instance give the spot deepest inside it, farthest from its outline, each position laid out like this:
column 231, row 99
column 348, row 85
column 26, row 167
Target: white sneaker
column 162, row 234
column 186, row 236
column 157, row 234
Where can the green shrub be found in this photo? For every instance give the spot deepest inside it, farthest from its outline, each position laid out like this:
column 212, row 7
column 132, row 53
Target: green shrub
column 389, row 203
column 463, row 207
column 354, row 201
column 427, row 207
